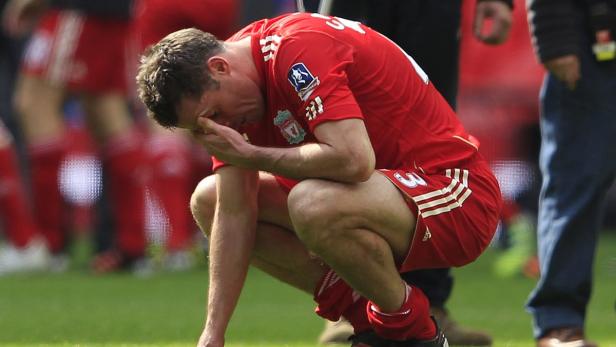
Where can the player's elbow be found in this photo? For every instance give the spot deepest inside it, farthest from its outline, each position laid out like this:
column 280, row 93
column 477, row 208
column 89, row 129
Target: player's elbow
column 360, row 166
column 362, row 174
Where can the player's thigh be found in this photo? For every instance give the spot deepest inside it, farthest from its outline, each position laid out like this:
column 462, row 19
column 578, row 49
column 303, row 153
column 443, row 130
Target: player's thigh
column 272, row 201
column 376, row 205
column 107, row 115
column 39, row 104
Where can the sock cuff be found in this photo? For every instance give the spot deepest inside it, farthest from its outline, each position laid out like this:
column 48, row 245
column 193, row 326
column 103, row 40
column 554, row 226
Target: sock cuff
column 411, row 321
column 401, row 311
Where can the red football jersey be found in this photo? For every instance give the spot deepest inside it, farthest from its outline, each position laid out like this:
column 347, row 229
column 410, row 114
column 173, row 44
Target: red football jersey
column 318, row 68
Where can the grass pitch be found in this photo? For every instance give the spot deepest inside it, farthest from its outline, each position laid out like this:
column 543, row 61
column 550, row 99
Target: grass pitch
column 167, row 309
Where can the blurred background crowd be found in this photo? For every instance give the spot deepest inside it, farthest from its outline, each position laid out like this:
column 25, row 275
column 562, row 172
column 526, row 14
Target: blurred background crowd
column 85, row 175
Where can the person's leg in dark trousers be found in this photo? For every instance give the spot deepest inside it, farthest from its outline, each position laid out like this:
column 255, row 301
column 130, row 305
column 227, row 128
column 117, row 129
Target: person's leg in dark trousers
column 577, row 162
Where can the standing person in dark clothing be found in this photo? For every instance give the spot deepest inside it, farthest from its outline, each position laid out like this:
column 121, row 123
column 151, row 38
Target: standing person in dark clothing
column 429, row 29
column 574, row 40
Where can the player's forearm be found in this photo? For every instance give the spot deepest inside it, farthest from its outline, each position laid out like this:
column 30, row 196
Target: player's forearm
column 314, row 160
column 231, row 244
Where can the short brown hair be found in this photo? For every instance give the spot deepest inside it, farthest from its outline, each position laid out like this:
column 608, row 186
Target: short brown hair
column 174, row 68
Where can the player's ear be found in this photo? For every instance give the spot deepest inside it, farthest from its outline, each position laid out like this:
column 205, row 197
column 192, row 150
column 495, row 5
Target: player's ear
column 218, row 65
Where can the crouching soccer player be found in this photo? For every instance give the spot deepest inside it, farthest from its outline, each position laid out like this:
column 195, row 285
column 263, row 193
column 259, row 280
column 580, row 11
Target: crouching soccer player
column 337, row 166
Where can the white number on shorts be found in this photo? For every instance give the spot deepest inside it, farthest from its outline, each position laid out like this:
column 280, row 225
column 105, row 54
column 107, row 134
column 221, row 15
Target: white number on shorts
column 411, row 180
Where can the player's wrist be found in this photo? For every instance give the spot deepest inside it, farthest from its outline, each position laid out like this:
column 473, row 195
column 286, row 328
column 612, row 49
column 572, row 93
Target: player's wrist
column 262, row 158
column 213, row 333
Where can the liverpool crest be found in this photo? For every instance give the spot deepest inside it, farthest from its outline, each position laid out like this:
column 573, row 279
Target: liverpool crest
column 289, row 127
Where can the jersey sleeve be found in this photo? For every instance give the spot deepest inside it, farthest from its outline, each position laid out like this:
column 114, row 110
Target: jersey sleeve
column 311, row 70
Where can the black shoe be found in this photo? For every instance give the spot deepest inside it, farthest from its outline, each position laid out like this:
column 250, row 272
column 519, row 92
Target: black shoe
column 368, row 339
column 371, row 339
column 438, row 341
column 459, row 335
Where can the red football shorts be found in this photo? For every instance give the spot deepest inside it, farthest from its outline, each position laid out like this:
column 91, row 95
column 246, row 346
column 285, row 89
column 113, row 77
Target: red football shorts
column 457, row 212
column 157, row 18
column 81, row 53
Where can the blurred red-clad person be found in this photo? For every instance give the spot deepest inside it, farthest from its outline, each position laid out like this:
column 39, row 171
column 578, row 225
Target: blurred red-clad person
column 25, row 249
column 80, row 48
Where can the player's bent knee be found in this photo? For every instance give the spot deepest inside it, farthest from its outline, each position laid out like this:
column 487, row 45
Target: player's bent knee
column 203, row 203
column 312, row 207
column 310, row 202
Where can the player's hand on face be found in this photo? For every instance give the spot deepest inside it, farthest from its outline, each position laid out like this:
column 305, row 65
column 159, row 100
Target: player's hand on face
column 566, row 69
column 500, row 14
column 224, row 143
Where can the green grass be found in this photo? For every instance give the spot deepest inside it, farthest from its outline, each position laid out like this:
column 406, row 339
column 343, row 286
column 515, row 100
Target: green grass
column 76, row 308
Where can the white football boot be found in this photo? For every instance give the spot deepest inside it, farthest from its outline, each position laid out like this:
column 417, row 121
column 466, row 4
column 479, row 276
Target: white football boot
column 34, row 257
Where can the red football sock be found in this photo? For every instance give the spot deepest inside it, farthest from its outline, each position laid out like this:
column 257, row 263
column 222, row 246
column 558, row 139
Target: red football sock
column 356, row 315
column 411, row 321
column 45, row 160
column 15, row 213
column 124, row 160
column 335, row 298
column 171, row 183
